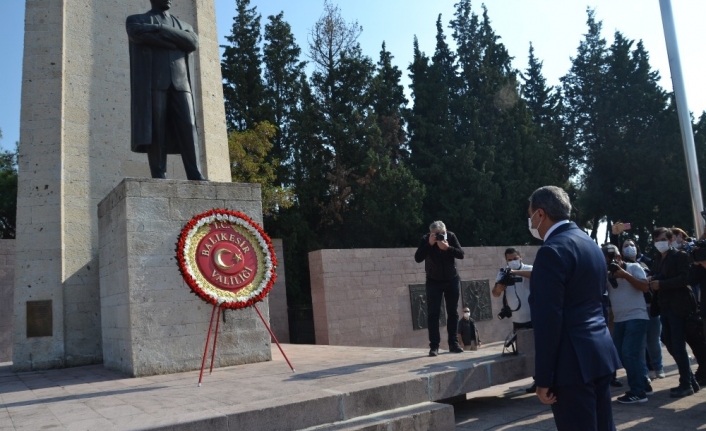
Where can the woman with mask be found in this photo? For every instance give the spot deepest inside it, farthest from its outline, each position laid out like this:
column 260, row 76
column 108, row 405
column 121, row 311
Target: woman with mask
column 630, row 252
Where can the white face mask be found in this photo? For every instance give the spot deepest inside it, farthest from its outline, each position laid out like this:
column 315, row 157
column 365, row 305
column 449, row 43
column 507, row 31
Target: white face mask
column 515, row 264
column 466, row 314
column 630, row 252
column 534, row 230
column 662, row 246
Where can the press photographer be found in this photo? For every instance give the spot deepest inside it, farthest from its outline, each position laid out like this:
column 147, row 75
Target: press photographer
column 439, row 250
column 696, row 323
column 513, row 283
column 670, row 278
column 630, row 321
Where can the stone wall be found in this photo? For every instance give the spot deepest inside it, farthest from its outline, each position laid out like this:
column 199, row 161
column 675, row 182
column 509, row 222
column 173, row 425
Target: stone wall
column 279, row 321
column 75, row 148
column 361, row 296
column 7, row 292
column 152, row 323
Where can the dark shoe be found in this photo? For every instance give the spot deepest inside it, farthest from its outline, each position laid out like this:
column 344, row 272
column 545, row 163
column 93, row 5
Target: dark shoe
column 630, row 398
column 456, row 349
column 532, row 389
column 616, row 383
column 649, row 390
column 434, row 352
column 681, row 391
column 695, row 385
column 199, row 178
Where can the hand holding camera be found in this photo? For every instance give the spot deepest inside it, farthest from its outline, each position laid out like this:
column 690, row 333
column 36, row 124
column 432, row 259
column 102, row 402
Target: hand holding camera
column 508, row 278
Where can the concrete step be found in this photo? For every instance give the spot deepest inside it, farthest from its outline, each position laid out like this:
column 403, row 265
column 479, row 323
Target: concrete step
column 418, row 417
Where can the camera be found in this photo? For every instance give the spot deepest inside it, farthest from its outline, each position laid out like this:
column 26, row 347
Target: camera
column 697, row 250
column 506, row 311
column 613, row 266
column 440, row 236
column 508, row 279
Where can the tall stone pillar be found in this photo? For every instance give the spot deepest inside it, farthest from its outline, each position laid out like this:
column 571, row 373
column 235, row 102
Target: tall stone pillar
column 75, row 148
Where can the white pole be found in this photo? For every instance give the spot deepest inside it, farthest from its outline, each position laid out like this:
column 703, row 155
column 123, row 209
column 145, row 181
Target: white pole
column 687, row 135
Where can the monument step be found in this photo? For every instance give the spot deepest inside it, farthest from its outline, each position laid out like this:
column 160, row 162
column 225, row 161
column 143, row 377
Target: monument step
column 427, row 416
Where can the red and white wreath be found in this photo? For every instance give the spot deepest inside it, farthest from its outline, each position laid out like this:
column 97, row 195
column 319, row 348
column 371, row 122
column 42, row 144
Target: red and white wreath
column 226, row 258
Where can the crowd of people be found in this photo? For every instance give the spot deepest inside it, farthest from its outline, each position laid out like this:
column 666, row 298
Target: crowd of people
column 593, row 310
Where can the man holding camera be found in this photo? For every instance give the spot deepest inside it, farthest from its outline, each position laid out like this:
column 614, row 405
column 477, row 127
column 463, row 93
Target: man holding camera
column 515, row 280
column 630, row 321
column 439, row 250
column 670, row 278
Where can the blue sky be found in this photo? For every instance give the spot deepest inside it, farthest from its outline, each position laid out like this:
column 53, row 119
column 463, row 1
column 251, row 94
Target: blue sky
column 555, row 27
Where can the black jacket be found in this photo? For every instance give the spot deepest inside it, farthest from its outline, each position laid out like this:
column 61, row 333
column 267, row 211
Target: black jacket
column 672, row 270
column 439, row 265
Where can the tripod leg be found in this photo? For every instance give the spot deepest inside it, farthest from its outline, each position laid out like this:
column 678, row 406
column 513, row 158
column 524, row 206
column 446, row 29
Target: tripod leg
column 205, row 349
column 273, row 336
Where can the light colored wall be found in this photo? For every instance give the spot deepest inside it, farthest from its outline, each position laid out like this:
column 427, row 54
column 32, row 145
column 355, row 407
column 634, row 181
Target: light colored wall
column 361, row 297
column 7, row 292
column 75, row 148
column 279, row 320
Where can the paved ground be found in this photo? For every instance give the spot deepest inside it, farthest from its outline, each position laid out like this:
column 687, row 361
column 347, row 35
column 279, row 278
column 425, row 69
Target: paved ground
column 508, row 407
column 93, row 398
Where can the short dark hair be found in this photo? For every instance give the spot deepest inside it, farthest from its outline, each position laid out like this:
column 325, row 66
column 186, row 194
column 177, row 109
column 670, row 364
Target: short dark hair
column 553, row 200
column 660, row 230
column 511, row 250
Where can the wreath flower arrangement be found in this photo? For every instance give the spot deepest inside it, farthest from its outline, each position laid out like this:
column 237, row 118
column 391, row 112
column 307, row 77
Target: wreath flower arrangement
column 186, row 250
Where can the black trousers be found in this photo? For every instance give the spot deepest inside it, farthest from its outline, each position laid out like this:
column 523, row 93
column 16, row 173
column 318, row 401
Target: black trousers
column 584, row 407
column 450, row 291
column 175, row 109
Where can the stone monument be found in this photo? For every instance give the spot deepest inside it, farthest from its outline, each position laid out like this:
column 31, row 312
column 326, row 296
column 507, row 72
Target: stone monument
column 75, row 149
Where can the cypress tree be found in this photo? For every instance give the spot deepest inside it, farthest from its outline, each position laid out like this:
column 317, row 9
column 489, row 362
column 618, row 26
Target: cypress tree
column 241, row 67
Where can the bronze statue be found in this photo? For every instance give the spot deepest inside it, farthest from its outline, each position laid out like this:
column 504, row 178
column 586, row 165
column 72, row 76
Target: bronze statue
column 161, row 80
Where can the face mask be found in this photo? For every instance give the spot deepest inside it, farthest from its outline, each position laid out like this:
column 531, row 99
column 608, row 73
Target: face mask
column 662, row 246
column 534, row 230
column 677, row 245
column 630, row 252
column 466, row 314
column 515, row 264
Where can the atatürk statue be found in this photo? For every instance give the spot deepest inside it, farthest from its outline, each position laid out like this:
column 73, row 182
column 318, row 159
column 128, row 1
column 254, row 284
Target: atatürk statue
column 161, row 77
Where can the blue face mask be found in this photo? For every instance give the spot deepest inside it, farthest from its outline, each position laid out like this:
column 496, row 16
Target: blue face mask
column 630, row 252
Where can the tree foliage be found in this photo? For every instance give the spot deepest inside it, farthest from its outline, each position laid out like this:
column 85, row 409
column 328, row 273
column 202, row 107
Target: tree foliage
column 8, row 192
column 346, row 160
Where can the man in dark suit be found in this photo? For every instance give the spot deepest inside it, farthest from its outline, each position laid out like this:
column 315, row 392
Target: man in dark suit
column 574, row 354
column 161, row 78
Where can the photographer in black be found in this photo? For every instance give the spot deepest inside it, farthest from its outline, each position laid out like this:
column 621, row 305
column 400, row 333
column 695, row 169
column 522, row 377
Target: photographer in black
column 696, row 323
column 439, row 250
column 670, row 278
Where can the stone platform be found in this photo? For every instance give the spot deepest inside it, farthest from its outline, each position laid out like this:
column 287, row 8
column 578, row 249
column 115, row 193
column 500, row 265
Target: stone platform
column 334, row 388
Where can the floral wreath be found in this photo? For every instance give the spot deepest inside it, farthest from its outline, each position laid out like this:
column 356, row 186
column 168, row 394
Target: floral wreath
column 196, row 228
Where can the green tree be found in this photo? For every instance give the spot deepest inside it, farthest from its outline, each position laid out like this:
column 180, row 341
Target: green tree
column 8, row 192
column 545, row 105
column 248, row 160
column 283, row 73
column 586, row 118
column 241, row 67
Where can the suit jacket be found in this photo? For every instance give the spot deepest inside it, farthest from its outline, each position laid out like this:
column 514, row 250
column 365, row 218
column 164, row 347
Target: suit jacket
column 568, row 301
column 157, row 60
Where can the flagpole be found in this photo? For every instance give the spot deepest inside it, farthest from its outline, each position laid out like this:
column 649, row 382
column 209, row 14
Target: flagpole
column 687, row 134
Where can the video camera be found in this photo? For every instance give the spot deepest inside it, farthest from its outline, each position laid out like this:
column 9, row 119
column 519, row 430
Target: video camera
column 508, row 279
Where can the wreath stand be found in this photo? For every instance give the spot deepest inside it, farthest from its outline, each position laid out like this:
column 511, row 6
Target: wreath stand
column 200, row 248
column 215, row 339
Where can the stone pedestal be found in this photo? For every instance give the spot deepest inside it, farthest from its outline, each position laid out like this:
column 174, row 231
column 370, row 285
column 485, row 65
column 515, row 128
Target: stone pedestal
column 151, row 322
column 74, row 149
